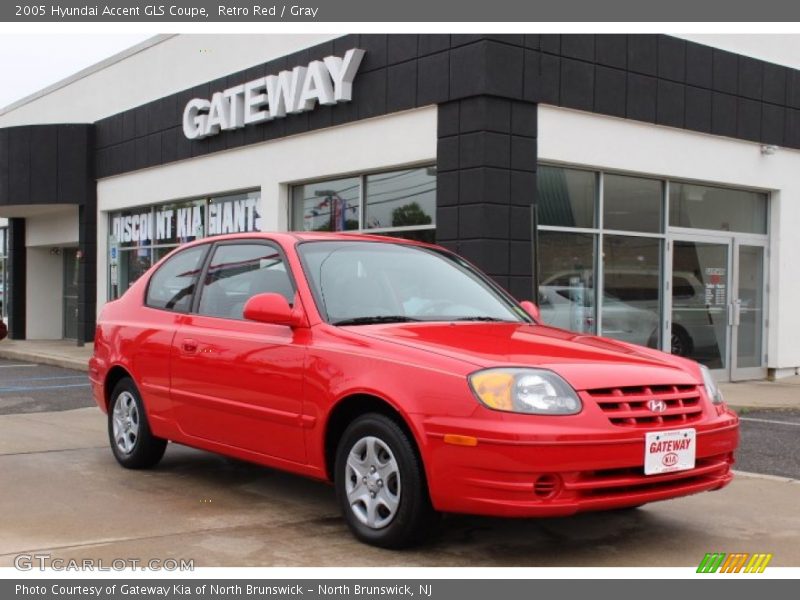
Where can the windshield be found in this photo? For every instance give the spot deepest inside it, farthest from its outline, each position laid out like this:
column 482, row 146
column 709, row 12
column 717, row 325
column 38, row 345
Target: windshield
column 372, row 282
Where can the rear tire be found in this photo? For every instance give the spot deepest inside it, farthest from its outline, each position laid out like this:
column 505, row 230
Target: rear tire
column 132, row 443
column 380, row 484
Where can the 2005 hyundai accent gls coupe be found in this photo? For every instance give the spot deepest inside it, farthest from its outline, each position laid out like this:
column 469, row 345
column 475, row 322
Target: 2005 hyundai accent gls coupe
column 403, row 375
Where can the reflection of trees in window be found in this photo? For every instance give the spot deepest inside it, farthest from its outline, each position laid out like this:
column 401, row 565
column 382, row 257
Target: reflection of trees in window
column 566, row 197
column 397, row 199
column 410, row 214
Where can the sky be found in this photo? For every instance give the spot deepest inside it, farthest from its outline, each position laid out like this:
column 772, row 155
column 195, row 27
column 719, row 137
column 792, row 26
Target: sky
column 29, row 62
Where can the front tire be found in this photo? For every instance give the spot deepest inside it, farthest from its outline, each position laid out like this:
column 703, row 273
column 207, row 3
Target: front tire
column 132, row 443
column 380, row 484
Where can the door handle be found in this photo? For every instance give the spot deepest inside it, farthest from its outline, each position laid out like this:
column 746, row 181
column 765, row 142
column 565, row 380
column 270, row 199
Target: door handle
column 737, row 313
column 189, row 346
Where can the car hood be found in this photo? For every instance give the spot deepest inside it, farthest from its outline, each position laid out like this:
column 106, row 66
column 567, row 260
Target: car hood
column 585, row 361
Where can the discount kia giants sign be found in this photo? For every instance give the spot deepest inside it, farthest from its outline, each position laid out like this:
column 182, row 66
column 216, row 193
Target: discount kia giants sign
column 326, row 82
column 181, row 222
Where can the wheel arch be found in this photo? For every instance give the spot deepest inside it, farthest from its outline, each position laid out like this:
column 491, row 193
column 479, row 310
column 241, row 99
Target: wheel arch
column 351, row 407
column 115, row 374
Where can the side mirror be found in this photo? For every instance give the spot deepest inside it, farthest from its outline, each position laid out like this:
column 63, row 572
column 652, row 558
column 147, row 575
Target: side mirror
column 531, row 309
column 271, row 308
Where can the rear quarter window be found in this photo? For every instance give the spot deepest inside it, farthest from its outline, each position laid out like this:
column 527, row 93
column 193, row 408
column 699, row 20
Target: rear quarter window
column 173, row 285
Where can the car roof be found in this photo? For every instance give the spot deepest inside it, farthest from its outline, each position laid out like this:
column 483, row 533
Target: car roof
column 293, row 237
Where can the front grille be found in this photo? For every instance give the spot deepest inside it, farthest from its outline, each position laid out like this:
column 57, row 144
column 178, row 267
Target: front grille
column 628, row 406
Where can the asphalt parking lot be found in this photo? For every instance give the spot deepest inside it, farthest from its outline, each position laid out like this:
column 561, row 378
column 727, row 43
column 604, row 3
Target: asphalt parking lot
column 770, row 442
column 64, row 494
column 27, row 388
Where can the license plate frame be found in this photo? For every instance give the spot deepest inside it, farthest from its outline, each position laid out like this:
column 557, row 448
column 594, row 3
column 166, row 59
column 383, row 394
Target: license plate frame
column 670, row 451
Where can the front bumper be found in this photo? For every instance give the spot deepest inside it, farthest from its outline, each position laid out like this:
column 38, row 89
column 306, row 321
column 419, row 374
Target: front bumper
column 516, row 474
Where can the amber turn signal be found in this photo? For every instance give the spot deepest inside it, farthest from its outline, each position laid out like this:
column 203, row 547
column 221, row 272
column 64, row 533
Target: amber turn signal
column 460, row 440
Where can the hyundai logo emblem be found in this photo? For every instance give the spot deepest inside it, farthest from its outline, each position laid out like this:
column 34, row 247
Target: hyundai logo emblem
column 657, row 406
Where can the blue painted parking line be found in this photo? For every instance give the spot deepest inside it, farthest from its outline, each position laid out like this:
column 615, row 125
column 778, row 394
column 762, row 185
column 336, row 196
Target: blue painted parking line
column 30, row 388
column 46, row 378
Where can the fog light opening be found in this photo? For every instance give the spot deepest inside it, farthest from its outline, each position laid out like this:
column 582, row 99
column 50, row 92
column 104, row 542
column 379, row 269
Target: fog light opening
column 546, row 486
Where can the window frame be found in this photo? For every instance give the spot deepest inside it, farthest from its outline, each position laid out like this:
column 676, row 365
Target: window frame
column 255, row 241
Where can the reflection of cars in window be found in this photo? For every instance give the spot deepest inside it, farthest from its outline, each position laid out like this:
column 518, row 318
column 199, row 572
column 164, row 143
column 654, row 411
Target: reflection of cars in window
column 571, row 308
column 638, row 292
column 402, row 375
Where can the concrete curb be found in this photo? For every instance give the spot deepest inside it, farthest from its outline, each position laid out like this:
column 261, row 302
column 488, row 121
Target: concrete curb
column 760, row 406
column 44, row 359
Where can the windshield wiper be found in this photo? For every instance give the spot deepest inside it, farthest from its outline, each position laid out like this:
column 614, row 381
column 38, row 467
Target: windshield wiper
column 477, row 318
column 375, row 319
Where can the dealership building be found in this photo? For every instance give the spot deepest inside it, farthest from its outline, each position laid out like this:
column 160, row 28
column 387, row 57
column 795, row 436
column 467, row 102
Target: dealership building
column 642, row 187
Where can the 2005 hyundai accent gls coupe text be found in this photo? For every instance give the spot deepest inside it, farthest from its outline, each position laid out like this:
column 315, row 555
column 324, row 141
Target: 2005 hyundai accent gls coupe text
column 403, row 375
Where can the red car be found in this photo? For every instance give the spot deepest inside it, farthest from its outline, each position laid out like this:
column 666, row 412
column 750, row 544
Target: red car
column 404, row 376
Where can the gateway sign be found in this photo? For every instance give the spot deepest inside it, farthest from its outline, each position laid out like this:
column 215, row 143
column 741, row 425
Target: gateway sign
column 328, row 81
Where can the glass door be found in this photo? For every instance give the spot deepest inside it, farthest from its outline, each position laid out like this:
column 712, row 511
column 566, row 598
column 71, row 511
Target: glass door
column 718, row 304
column 700, row 296
column 70, row 293
column 748, row 311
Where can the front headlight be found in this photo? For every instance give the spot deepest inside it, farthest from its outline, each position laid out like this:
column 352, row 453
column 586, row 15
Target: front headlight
column 529, row 391
column 711, row 386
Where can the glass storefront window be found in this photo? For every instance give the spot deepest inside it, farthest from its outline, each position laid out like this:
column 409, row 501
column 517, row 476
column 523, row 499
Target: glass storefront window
column 179, row 222
column 237, row 213
column 399, row 203
column 632, row 203
column 404, row 198
column 332, row 205
column 566, row 268
column 132, row 228
column 722, row 209
column 632, row 289
column 566, row 197
column 142, row 236
column 708, row 321
column 3, row 282
column 132, row 264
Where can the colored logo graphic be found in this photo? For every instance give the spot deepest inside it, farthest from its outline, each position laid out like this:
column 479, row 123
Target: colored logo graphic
column 719, row 562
